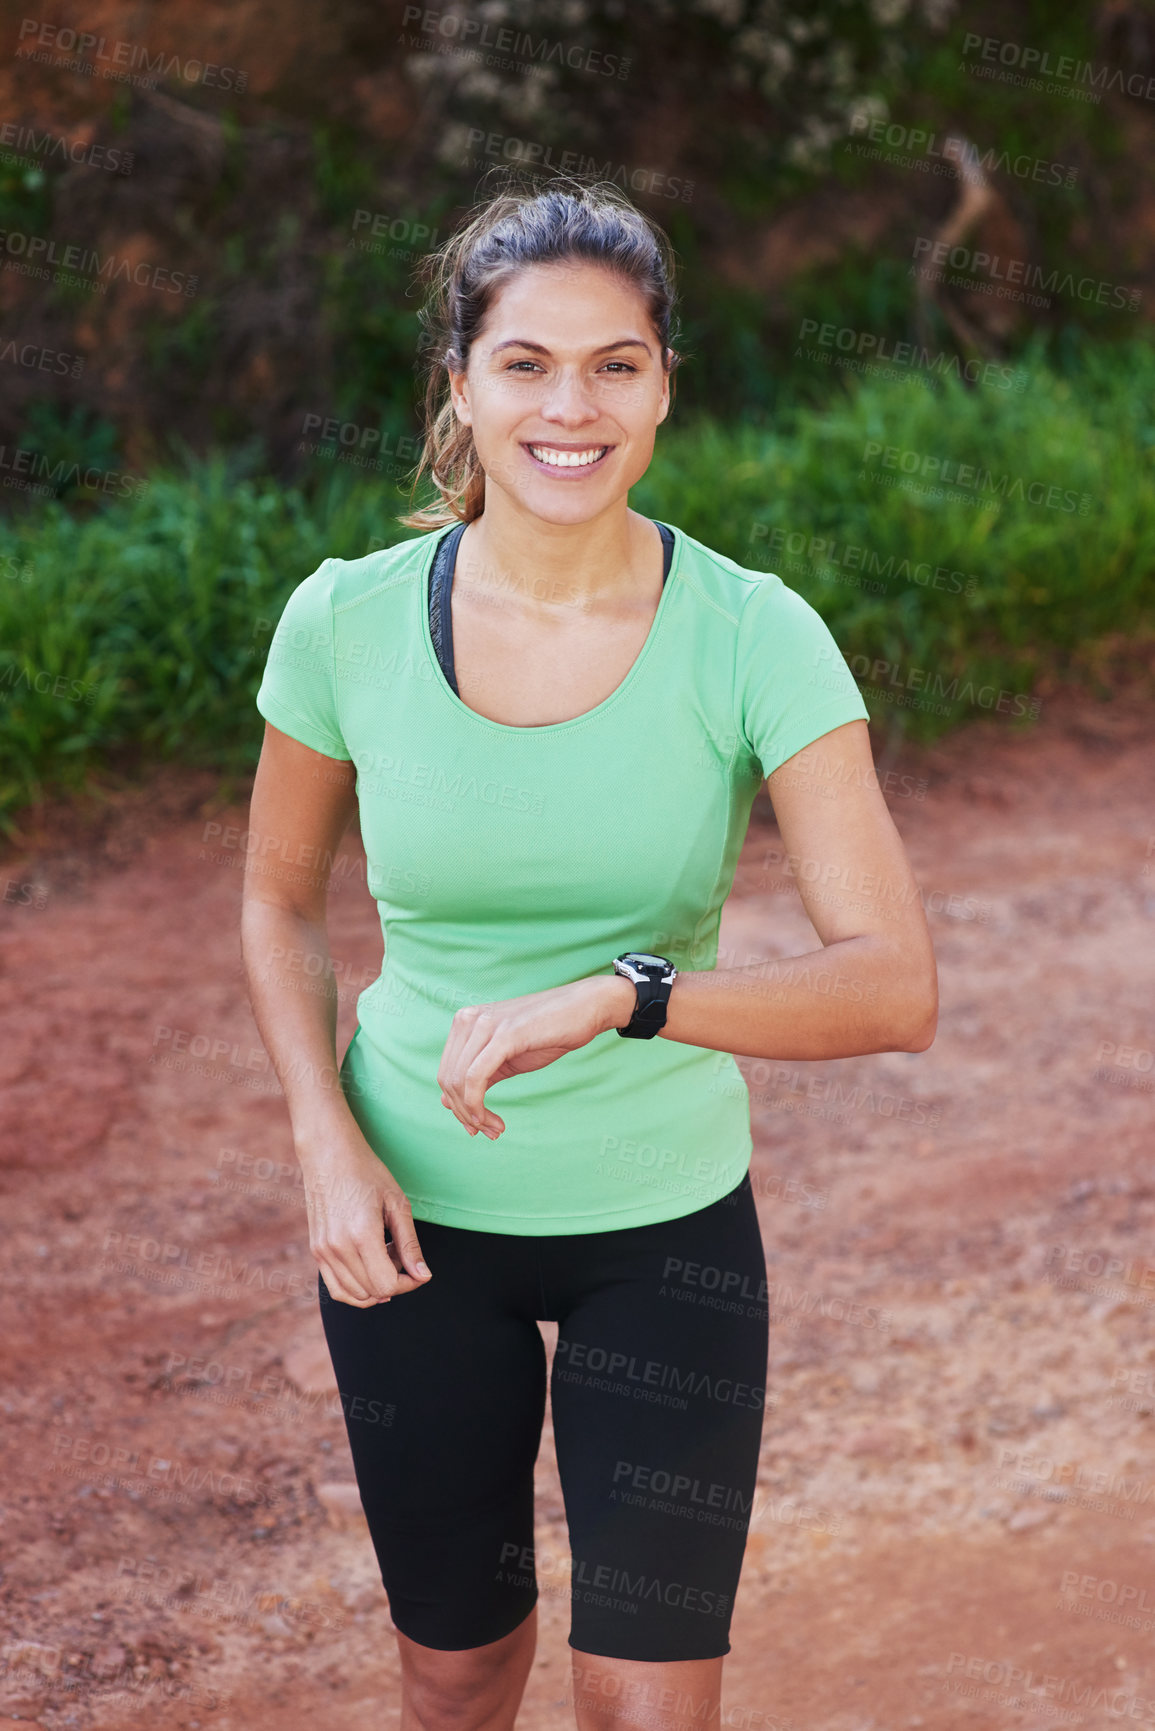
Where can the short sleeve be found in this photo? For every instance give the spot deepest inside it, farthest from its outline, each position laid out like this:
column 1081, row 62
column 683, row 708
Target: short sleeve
column 792, row 683
column 298, row 693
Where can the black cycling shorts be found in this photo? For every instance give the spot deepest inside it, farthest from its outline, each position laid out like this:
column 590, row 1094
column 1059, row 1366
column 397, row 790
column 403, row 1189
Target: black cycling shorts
column 657, row 1392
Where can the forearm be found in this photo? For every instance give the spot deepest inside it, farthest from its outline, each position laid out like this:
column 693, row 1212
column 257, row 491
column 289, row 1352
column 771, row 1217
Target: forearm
column 851, row 997
column 293, row 992
column 360, row 1225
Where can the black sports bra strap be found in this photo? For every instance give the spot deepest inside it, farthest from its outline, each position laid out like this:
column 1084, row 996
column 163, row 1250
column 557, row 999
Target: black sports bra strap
column 440, row 612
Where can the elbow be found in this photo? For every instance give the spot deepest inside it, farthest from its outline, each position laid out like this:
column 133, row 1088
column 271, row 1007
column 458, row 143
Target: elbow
column 923, row 1039
column 915, row 1032
column 919, row 1028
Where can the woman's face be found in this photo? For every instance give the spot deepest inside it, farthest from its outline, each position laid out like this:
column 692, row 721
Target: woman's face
column 564, row 390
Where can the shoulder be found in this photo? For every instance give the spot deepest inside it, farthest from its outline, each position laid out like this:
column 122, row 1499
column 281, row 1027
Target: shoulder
column 775, row 631
column 348, row 582
column 721, row 583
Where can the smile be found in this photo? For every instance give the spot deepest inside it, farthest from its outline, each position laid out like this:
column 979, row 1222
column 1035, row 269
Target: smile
column 551, row 457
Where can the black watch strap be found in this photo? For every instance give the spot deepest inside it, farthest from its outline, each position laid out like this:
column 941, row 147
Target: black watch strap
column 652, row 978
column 646, row 1020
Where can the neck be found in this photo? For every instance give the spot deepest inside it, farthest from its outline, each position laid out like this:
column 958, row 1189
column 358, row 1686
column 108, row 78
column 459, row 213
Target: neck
column 613, row 558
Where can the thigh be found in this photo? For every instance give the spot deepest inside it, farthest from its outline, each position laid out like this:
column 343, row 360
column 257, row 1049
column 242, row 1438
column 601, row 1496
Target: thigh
column 443, row 1393
column 658, row 1391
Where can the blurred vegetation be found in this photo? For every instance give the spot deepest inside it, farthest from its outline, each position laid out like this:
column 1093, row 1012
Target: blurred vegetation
column 136, row 629
column 303, row 221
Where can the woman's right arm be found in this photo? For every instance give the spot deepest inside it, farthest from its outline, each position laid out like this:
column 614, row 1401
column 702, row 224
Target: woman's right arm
column 302, row 805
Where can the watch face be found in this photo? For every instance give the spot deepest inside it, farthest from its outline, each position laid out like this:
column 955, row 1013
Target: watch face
column 644, row 960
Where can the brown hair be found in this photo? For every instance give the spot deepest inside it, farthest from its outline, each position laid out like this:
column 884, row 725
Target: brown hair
column 520, row 225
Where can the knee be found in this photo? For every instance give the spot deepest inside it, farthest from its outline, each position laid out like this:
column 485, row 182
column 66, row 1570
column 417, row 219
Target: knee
column 458, row 1691
column 439, row 1701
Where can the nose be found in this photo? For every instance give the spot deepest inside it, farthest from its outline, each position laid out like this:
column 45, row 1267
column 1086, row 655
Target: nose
column 569, row 401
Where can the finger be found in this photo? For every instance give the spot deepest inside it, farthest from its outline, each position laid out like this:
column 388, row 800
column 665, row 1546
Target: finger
column 354, row 1291
column 370, row 1254
column 396, row 1266
column 327, row 1249
column 474, row 1042
column 342, row 1255
column 479, row 1076
column 447, row 1069
column 405, row 1242
column 480, row 1067
column 382, row 1273
column 471, row 1028
column 405, row 1281
column 461, row 1027
column 471, row 1077
column 329, row 1242
column 337, row 1286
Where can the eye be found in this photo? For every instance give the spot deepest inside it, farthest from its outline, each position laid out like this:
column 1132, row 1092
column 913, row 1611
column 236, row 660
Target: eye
column 624, row 367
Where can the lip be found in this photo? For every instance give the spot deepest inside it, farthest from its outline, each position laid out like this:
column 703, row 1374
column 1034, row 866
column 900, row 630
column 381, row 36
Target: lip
column 567, row 473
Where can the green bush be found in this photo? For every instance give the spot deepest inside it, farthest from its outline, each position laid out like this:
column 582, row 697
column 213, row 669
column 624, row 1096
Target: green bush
column 141, row 630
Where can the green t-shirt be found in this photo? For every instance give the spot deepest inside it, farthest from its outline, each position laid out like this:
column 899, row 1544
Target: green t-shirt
column 505, row 860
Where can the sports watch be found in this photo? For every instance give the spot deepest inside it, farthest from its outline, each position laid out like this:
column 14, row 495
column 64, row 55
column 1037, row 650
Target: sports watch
column 652, row 976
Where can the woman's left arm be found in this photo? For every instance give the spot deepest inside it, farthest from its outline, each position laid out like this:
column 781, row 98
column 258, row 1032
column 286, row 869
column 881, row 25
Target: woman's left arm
column 873, row 986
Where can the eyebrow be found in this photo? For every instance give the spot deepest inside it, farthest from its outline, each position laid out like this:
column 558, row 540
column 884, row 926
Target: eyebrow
column 540, row 348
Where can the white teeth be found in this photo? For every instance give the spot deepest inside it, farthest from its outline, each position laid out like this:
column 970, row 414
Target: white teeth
column 568, row 459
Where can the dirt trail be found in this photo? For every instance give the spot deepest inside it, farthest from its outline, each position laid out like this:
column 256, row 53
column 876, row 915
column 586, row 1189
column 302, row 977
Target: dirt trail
column 956, row 1520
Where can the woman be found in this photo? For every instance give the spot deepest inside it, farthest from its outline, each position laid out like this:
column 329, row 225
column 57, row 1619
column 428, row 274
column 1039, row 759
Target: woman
column 554, row 720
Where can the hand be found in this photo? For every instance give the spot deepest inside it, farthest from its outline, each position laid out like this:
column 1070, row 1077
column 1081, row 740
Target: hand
column 488, row 1042
column 351, row 1198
